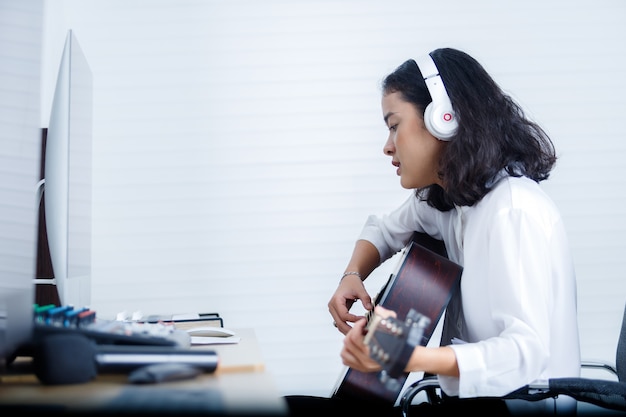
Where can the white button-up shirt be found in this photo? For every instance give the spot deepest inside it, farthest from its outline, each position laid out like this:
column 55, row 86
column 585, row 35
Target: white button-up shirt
column 518, row 284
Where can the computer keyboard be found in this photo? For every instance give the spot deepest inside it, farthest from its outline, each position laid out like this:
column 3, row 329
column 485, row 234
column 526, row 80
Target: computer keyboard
column 65, row 319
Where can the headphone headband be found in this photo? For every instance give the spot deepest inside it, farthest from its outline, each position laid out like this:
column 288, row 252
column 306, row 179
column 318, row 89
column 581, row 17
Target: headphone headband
column 439, row 116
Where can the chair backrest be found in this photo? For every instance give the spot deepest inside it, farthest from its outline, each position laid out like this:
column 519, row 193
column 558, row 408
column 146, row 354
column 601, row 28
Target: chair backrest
column 620, row 360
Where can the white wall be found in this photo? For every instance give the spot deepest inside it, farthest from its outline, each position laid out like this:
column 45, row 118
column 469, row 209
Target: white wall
column 20, row 145
column 238, row 149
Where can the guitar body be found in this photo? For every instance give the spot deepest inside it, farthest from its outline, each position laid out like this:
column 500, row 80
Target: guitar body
column 425, row 282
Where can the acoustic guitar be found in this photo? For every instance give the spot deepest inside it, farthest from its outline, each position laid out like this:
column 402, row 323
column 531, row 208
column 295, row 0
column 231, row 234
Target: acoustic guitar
column 423, row 284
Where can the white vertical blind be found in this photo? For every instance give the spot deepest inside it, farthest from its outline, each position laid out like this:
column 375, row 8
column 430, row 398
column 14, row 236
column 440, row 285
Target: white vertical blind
column 238, row 150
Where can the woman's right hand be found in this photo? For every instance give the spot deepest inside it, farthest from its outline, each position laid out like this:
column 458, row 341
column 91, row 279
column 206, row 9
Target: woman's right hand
column 349, row 291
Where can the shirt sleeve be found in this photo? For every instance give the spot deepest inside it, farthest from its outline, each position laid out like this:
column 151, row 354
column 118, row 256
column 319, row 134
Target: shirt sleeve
column 391, row 232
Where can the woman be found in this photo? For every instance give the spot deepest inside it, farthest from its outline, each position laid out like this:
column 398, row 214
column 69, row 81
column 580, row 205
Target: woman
column 475, row 162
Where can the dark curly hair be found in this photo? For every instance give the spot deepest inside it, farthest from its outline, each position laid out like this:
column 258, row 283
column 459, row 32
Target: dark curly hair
column 493, row 132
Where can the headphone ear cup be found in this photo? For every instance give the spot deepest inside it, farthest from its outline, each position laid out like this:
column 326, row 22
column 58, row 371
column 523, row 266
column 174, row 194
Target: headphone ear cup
column 440, row 121
column 439, row 116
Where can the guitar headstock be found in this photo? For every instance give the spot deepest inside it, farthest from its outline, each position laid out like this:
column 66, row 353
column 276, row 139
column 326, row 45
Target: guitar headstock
column 392, row 341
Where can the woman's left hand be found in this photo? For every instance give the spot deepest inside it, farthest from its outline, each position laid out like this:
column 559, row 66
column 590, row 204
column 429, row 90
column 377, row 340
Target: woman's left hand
column 355, row 353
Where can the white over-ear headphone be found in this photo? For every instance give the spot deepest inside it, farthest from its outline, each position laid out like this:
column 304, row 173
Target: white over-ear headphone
column 439, row 116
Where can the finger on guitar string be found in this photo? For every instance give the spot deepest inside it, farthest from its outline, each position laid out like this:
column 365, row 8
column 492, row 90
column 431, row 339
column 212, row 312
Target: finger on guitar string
column 348, row 292
column 355, row 352
column 356, row 336
column 384, row 312
column 341, row 314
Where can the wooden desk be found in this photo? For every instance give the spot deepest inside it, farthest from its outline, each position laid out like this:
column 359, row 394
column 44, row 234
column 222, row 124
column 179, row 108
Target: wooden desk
column 240, row 383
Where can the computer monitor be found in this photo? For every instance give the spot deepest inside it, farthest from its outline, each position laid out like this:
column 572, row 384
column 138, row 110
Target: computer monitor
column 67, row 188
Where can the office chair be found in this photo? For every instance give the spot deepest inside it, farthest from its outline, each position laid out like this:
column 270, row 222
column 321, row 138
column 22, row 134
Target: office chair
column 605, row 393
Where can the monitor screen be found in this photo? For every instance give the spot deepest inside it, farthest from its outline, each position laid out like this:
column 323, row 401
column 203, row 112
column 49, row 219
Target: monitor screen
column 67, row 176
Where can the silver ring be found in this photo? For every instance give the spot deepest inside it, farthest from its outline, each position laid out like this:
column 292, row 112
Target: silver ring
column 335, row 323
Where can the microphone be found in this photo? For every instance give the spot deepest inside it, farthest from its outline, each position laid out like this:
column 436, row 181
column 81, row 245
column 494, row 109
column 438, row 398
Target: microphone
column 74, row 358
